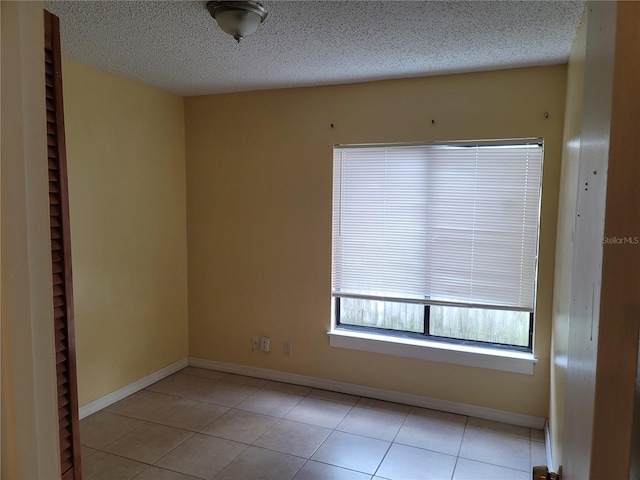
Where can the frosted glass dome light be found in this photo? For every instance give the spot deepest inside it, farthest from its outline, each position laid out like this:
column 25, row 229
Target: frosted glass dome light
column 238, row 19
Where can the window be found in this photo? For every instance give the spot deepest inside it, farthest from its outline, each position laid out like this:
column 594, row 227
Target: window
column 438, row 240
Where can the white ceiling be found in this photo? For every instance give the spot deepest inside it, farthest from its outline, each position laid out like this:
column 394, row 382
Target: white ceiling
column 177, row 46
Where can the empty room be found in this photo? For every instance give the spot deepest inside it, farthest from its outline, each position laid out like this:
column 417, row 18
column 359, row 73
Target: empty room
column 392, row 240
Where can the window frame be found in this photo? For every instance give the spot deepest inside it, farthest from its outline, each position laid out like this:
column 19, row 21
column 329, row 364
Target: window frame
column 425, row 335
column 338, row 326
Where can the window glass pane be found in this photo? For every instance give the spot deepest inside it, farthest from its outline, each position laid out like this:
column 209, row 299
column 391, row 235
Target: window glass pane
column 495, row 326
column 372, row 313
column 455, row 223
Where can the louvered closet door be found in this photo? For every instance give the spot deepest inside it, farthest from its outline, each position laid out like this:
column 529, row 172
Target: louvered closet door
column 61, row 257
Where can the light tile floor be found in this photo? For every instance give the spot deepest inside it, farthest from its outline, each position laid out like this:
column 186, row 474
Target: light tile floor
column 203, row 424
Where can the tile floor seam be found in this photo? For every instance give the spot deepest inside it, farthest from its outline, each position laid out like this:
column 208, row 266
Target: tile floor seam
column 430, row 450
column 494, row 464
column 117, row 438
column 175, row 471
column 224, row 438
column 455, row 465
column 218, row 404
column 126, row 458
column 348, row 403
column 345, row 415
column 344, row 468
column 194, row 476
column 404, row 420
column 256, row 413
column 373, row 438
column 138, row 474
column 382, row 460
column 120, row 437
column 270, row 390
column 301, row 467
column 150, row 391
column 171, row 426
column 260, row 413
column 202, row 432
column 464, row 430
column 141, row 461
column 507, row 434
column 194, row 434
column 109, row 411
column 305, row 424
column 502, row 434
column 357, row 435
column 318, row 447
column 168, row 470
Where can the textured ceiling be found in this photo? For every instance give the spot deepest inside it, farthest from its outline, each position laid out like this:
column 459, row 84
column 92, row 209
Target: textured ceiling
column 177, row 46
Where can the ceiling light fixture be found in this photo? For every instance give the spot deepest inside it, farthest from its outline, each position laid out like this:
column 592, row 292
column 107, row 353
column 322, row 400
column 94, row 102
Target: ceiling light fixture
column 238, row 19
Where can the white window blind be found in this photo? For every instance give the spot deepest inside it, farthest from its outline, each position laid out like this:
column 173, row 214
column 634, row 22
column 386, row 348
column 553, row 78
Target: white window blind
column 442, row 224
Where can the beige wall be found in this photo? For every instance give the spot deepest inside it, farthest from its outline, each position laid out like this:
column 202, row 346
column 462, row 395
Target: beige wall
column 564, row 240
column 125, row 148
column 29, row 397
column 259, row 170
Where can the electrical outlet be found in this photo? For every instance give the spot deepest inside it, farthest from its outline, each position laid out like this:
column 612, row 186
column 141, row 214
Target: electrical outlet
column 265, row 344
column 286, row 348
column 255, row 345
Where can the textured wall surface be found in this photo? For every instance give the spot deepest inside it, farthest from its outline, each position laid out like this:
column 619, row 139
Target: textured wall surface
column 564, row 241
column 586, row 277
column 125, row 149
column 259, row 176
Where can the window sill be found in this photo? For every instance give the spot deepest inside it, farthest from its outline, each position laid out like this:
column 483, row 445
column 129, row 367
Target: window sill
column 508, row 361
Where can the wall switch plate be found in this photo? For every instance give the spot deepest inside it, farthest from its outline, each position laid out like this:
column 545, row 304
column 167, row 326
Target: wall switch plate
column 265, row 344
column 286, row 348
column 255, row 345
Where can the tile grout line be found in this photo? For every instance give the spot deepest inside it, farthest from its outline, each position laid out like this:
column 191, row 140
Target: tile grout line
column 192, row 434
column 393, row 441
column 182, row 473
column 121, row 436
column 264, row 387
column 375, row 472
column 464, row 430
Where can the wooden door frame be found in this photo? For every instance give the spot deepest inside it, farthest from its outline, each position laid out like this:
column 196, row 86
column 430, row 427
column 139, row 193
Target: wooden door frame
column 29, row 412
column 63, row 315
column 605, row 303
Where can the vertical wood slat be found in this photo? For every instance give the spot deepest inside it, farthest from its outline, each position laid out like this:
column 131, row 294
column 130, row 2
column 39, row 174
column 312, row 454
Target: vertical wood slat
column 63, row 321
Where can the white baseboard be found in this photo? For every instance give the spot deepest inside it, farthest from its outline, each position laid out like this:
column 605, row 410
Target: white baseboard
column 372, row 392
column 134, row 387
